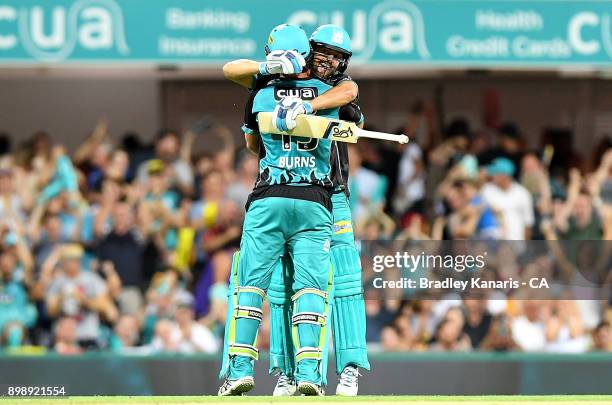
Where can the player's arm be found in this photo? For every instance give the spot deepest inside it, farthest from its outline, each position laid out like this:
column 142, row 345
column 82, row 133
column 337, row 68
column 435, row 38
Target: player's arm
column 252, row 142
column 352, row 113
column 251, row 127
column 341, row 94
column 243, row 71
column 337, row 96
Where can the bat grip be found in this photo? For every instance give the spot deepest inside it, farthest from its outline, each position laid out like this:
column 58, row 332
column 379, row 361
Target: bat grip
column 383, row 136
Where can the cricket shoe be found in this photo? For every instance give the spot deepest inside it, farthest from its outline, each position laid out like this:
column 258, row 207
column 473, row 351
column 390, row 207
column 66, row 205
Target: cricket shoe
column 285, row 386
column 239, row 386
column 310, row 389
column 348, row 384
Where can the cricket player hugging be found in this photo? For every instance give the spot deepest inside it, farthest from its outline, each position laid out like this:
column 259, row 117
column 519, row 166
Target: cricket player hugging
column 288, row 234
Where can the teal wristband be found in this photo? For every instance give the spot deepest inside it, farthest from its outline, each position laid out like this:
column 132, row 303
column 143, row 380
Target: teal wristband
column 308, row 107
column 263, row 68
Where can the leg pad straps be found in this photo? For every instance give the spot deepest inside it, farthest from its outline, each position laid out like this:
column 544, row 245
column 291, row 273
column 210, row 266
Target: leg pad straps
column 249, row 313
column 311, row 353
column 241, row 349
column 309, row 317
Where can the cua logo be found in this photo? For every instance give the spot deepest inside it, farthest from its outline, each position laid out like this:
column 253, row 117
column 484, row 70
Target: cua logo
column 305, row 93
column 391, row 26
column 581, row 28
column 52, row 34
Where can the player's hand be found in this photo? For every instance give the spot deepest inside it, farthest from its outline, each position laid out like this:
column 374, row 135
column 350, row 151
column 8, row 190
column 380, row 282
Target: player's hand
column 282, row 62
column 287, row 111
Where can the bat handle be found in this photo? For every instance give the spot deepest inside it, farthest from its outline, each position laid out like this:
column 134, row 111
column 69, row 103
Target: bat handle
column 382, row 136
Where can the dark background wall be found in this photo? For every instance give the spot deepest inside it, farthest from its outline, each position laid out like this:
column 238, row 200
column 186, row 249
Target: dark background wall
column 534, row 102
column 68, row 104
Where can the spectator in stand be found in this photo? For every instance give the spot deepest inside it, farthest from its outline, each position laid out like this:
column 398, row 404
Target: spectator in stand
column 162, row 298
column 224, row 159
column 76, row 293
column 205, row 211
column 410, row 187
column 577, row 219
column 603, row 175
column 449, row 338
column 158, row 212
column 63, row 181
column 17, row 314
column 499, row 337
column 194, row 337
column 543, row 188
column 441, row 158
column 94, row 155
column 509, row 146
column 423, row 322
column 167, row 150
column 220, row 243
column 11, row 204
column 126, row 336
column 529, row 328
column 137, row 152
column 6, row 159
column 123, row 246
column 47, row 238
column 510, row 200
column 602, row 337
column 377, row 315
column 66, row 337
column 390, row 339
column 398, row 336
column 36, row 158
column 471, row 217
column 218, row 225
column 477, row 321
column 248, row 169
column 565, row 332
column 167, row 337
column 367, row 188
column 115, row 173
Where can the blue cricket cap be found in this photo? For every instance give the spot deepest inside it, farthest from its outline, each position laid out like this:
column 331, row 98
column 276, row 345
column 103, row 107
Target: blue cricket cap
column 501, row 165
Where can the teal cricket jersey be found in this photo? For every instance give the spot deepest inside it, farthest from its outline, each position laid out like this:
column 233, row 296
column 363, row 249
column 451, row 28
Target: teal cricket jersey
column 286, row 160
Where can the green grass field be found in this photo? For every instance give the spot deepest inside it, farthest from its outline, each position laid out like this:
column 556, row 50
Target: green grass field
column 379, row 400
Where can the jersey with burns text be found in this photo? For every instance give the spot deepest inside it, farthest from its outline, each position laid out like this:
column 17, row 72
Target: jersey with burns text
column 339, row 153
column 291, row 160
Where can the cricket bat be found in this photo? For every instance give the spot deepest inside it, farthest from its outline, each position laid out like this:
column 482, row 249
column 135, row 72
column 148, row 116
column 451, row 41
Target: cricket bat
column 312, row 126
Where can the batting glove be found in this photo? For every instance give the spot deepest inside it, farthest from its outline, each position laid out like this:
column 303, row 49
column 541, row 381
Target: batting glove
column 282, row 62
column 287, row 110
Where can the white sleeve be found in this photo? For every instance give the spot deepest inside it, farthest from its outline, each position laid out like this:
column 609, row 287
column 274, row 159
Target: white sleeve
column 141, row 173
column 184, row 173
column 486, row 196
column 204, row 340
column 407, row 165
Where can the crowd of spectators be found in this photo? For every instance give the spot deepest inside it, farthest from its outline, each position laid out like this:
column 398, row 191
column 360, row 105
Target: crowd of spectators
column 126, row 247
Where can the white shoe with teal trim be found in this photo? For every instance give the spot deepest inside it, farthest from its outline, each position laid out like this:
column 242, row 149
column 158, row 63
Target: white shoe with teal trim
column 285, row 386
column 310, row 389
column 239, row 386
column 348, row 384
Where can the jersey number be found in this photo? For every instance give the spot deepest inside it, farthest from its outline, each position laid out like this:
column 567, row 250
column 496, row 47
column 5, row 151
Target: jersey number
column 303, row 146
